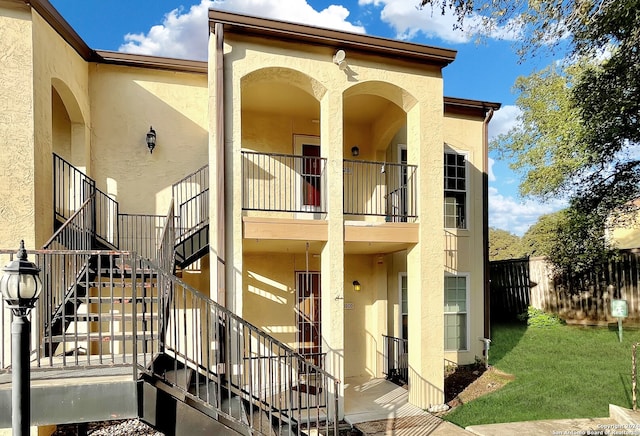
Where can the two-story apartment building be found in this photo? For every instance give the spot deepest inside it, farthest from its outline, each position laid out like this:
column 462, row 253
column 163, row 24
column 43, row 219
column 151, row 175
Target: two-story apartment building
column 347, row 196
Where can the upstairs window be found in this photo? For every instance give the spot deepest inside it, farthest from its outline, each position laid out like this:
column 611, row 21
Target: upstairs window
column 455, row 190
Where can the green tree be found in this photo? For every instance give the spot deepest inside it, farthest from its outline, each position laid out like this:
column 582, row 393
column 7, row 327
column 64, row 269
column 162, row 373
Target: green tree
column 571, row 240
column 542, row 237
column 545, row 146
column 580, row 129
column 504, row 245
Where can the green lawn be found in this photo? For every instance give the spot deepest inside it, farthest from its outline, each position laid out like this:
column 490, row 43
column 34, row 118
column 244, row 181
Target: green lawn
column 560, row 372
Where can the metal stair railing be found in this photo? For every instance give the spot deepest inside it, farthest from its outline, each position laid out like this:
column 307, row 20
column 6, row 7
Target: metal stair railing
column 395, row 358
column 118, row 326
column 191, row 202
column 230, row 357
column 71, row 188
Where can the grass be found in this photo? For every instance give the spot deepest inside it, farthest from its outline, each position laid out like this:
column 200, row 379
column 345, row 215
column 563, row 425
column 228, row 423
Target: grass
column 560, row 372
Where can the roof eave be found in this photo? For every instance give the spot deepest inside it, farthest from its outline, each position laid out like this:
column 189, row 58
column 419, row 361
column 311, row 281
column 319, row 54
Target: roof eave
column 301, row 33
column 467, row 106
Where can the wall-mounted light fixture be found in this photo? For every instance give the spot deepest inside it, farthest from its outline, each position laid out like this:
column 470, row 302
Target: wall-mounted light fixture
column 151, row 139
column 356, row 286
column 355, row 151
column 340, row 59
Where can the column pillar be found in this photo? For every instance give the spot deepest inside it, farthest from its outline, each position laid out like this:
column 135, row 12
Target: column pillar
column 425, row 274
column 332, row 262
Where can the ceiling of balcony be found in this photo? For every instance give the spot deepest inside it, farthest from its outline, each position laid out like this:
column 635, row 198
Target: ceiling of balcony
column 283, row 99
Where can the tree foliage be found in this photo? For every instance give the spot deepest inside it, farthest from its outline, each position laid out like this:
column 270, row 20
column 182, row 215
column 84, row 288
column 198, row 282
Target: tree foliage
column 571, row 240
column 579, row 136
column 504, row 245
column 545, row 146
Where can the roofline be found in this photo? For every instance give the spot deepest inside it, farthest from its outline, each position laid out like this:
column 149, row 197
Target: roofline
column 282, row 30
column 64, row 29
column 146, row 61
column 467, row 106
column 60, row 25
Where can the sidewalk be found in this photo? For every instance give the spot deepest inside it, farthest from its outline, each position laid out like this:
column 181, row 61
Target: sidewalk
column 621, row 421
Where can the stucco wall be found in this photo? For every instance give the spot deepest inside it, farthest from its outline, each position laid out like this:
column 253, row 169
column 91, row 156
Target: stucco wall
column 17, row 201
column 55, row 64
column 463, row 248
column 269, row 292
column 125, row 103
column 197, row 275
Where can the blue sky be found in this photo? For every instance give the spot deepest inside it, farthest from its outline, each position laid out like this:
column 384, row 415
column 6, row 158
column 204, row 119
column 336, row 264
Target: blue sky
column 482, row 71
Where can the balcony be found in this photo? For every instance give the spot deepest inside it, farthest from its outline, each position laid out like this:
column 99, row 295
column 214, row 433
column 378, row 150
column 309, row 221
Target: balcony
column 294, row 185
column 380, row 189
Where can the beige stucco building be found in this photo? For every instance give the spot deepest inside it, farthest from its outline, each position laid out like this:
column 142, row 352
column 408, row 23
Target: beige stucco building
column 347, row 195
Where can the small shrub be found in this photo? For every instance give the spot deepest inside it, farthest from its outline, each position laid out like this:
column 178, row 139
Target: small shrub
column 538, row 318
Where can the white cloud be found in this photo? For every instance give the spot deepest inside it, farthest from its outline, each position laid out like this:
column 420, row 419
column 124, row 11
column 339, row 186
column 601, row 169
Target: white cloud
column 183, row 33
column 504, row 120
column 517, row 216
column 407, row 20
column 492, row 177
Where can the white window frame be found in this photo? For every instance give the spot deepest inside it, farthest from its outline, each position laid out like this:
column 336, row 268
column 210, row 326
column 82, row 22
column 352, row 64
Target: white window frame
column 466, row 312
column 467, row 215
column 402, row 275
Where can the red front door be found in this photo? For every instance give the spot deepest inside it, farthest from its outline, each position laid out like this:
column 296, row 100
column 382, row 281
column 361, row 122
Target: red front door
column 311, row 175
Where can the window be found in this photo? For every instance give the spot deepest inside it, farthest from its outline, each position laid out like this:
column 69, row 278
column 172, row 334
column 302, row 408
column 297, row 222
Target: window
column 455, row 190
column 404, row 307
column 455, row 313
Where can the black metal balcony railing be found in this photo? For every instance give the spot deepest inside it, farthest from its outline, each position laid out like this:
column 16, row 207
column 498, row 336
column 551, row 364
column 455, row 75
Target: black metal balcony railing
column 191, row 202
column 71, row 188
column 288, row 183
column 395, row 359
column 283, row 183
column 380, row 189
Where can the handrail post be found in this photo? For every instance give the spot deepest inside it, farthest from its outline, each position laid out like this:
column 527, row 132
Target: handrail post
column 134, row 311
column 634, row 369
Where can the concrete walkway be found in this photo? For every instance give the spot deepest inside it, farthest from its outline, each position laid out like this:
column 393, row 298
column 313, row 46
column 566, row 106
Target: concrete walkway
column 620, row 422
column 379, row 407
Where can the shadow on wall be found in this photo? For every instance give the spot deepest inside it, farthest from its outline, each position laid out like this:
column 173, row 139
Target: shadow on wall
column 423, row 393
column 176, row 107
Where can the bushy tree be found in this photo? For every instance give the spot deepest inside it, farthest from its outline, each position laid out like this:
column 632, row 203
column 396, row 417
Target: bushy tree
column 569, row 239
column 504, row 245
column 580, row 131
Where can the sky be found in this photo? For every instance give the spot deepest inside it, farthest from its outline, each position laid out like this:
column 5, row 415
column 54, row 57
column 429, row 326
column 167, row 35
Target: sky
column 484, row 70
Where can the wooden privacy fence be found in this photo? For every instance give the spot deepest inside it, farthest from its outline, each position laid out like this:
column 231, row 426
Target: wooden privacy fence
column 585, row 297
column 510, row 283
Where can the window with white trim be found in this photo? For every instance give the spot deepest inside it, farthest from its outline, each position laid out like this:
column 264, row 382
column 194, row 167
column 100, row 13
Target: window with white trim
column 455, row 313
column 404, row 307
column 455, row 190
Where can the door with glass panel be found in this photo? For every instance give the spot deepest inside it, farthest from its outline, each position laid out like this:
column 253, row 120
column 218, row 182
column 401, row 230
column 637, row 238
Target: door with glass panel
column 308, row 316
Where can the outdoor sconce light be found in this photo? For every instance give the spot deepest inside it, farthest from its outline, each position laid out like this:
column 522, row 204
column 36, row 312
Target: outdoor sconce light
column 151, row 139
column 355, row 151
column 339, row 59
column 356, row 286
column 20, row 286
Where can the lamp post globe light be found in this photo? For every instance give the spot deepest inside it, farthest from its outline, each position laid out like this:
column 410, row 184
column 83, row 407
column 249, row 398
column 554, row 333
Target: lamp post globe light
column 20, row 286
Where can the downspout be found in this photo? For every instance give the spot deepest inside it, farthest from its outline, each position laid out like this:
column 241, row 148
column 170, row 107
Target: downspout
column 485, row 222
column 221, row 165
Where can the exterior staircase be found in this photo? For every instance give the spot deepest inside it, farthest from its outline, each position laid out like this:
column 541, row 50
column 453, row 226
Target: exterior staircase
column 112, row 304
